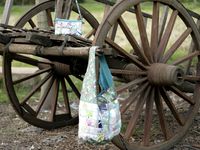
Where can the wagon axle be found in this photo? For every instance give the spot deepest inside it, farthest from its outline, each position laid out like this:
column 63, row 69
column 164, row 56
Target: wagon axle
column 163, row 74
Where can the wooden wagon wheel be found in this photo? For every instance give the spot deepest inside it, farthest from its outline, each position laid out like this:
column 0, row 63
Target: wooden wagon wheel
column 156, row 110
column 63, row 74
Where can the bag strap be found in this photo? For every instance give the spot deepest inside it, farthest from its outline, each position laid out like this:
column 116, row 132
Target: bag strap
column 79, row 10
column 89, row 87
column 105, row 76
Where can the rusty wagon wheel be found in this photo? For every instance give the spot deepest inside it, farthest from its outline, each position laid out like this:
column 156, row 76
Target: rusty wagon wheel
column 156, row 110
column 62, row 75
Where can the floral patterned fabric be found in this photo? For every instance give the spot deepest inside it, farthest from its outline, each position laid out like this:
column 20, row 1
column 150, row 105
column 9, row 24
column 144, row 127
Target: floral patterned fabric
column 99, row 114
column 68, row 27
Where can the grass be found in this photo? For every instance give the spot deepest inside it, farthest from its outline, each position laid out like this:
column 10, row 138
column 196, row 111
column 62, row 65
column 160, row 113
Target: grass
column 16, row 12
column 17, row 9
column 93, row 6
column 192, row 6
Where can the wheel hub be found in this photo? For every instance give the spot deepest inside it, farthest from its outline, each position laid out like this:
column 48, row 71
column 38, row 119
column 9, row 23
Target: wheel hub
column 163, row 74
column 61, row 69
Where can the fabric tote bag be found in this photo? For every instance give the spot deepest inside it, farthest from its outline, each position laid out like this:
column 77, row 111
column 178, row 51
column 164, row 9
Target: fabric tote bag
column 99, row 113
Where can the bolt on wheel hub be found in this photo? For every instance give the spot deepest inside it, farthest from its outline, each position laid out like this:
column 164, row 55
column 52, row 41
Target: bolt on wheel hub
column 163, row 74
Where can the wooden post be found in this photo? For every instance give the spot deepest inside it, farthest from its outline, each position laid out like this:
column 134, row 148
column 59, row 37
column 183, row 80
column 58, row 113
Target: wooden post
column 42, row 18
column 63, row 9
column 43, row 24
column 59, row 7
column 67, row 9
column 6, row 12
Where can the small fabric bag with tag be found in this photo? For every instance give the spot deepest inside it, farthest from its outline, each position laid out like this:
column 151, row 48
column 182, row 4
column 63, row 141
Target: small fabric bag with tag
column 69, row 27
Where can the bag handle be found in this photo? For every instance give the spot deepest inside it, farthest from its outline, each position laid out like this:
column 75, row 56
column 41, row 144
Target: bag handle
column 79, row 10
column 105, row 76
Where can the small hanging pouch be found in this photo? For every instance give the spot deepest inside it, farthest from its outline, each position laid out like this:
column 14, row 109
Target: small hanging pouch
column 69, row 27
column 99, row 114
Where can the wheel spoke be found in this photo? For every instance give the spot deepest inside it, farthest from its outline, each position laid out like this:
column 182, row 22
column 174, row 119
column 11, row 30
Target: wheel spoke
column 32, row 76
column 155, row 27
column 165, row 39
column 36, row 88
column 163, row 21
column 126, row 103
column 25, row 59
column 186, row 58
column 113, row 32
column 159, row 107
column 148, row 118
column 65, row 96
column 127, row 72
column 176, row 45
column 123, row 52
column 129, row 85
column 74, row 88
column 132, row 98
column 182, row 95
column 28, row 60
column 132, row 40
column 55, row 100
column 143, row 33
column 29, row 109
column 90, row 34
column 44, row 96
column 191, row 78
column 171, row 106
column 49, row 18
column 32, row 24
column 139, row 107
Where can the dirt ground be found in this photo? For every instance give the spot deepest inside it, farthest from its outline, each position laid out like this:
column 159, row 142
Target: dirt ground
column 15, row 134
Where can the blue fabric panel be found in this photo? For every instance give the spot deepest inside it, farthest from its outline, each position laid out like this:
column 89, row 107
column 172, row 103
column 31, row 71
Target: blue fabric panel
column 105, row 76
